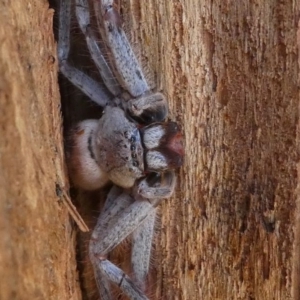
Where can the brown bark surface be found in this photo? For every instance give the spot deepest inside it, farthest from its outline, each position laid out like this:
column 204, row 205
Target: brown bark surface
column 37, row 257
column 230, row 71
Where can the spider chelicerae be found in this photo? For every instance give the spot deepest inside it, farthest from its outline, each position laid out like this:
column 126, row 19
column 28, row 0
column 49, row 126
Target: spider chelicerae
column 131, row 145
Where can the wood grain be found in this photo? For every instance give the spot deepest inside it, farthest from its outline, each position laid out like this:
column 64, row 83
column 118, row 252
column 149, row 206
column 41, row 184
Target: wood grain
column 37, row 257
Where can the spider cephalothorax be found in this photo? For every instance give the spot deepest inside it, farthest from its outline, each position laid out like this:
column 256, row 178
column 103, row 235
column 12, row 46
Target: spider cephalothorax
column 121, row 151
column 130, row 145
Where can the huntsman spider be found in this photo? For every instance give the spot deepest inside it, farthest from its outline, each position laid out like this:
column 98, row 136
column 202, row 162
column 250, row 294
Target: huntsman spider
column 131, row 145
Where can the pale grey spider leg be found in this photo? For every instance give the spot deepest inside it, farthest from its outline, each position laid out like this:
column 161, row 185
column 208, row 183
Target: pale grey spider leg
column 83, row 18
column 86, row 84
column 141, row 243
column 117, row 276
column 114, row 193
column 147, row 194
column 114, row 225
column 142, row 236
column 148, row 106
column 103, row 284
column 63, row 48
column 108, row 212
column 141, row 249
column 142, row 239
column 115, row 203
column 128, row 69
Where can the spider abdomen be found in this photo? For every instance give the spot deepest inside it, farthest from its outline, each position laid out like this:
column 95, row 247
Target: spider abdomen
column 81, row 159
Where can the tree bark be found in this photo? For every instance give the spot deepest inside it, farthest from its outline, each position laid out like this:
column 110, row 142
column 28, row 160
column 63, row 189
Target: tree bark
column 37, row 253
column 230, row 70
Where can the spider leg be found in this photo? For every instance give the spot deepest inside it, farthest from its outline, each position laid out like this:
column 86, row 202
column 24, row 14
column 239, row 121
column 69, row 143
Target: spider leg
column 141, row 249
column 117, row 276
column 108, row 213
column 117, row 229
column 119, row 218
column 64, row 29
column 124, row 215
column 114, row 193
column 146, row 106
column 115, row 203
column 128, row 70
column 103, row 284
column 83, row 18
column 86, row 84
column 128, row 212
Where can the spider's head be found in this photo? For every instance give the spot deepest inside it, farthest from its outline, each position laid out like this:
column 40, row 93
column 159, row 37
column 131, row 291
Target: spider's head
column 163, row 145
column 118, row 148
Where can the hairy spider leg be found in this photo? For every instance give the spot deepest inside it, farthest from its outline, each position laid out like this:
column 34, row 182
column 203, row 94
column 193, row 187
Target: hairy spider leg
column 124, row 215
column 83, row 18
column 108, row 212
column 148, row 107
column 86, row 84
column 142, row 236
column 115, row 224
column 127, row 67
column 141, row 249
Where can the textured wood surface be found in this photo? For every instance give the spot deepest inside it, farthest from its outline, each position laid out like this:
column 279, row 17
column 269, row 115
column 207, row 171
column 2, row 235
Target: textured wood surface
column 230, row 70
column 37, row 257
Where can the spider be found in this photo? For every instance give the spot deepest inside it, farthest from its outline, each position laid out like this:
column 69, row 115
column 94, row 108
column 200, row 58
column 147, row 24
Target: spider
column 131, row 145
